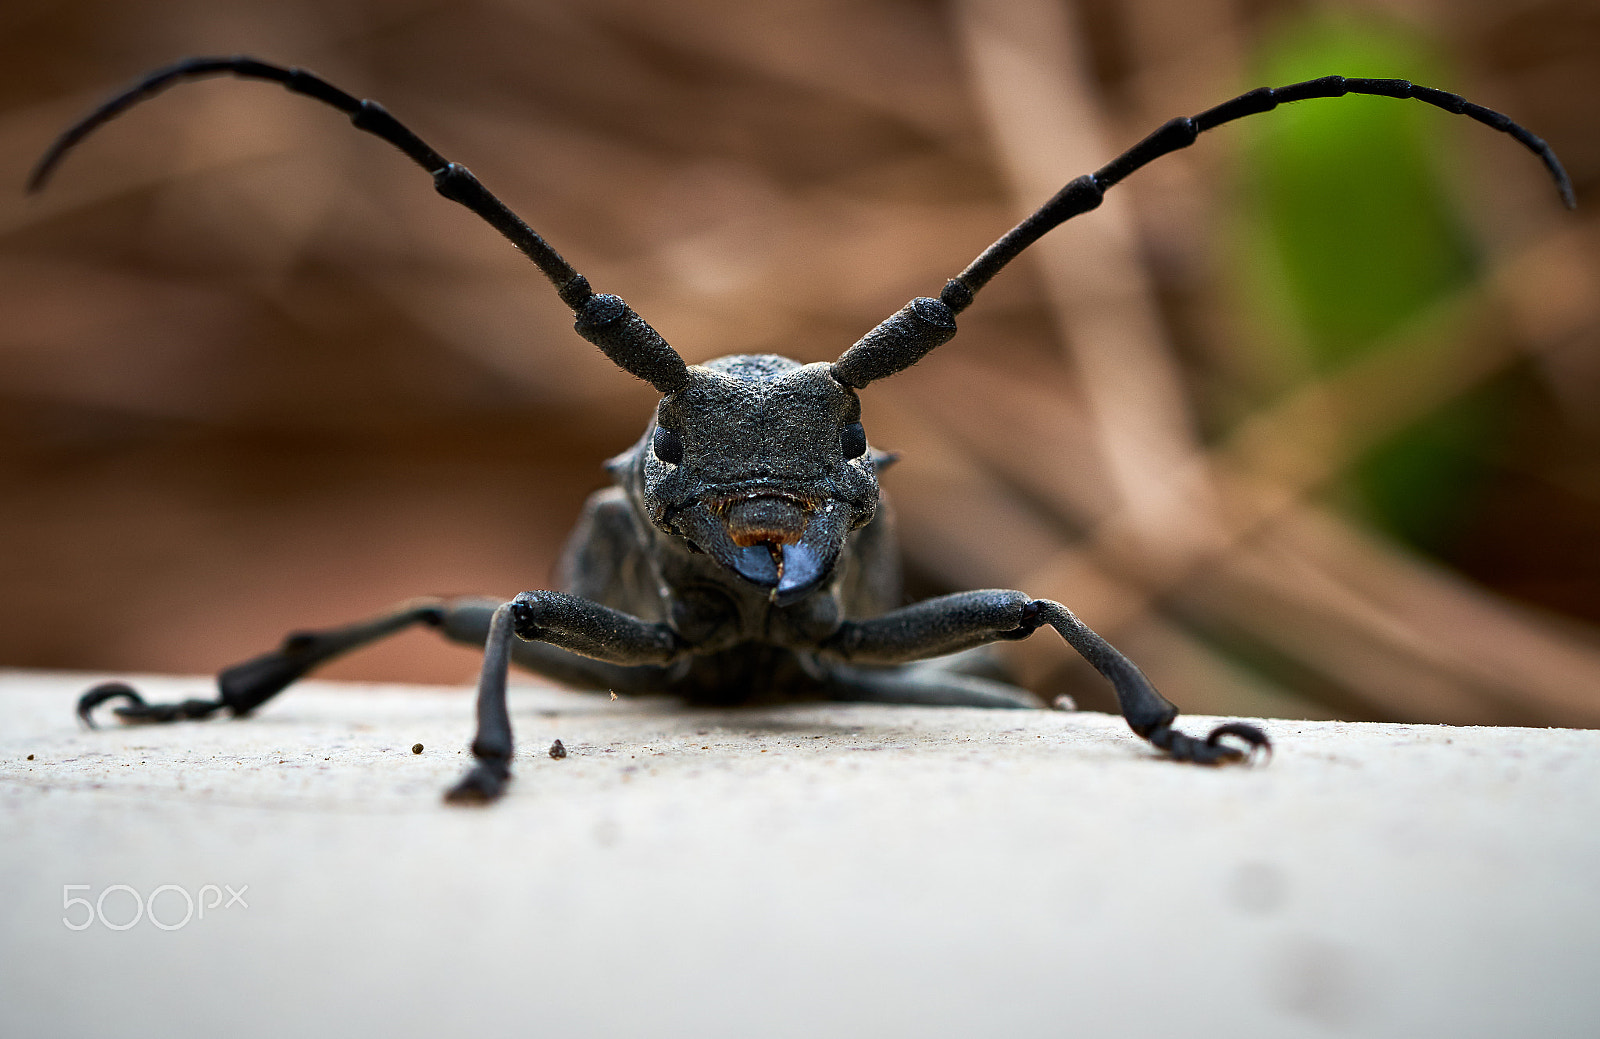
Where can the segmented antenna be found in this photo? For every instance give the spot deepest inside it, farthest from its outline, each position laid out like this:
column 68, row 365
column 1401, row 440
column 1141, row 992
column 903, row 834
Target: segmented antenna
column 907, row 335
column 604, row 320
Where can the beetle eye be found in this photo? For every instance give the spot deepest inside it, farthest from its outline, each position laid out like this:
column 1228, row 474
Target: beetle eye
column 668, row 446
column 853, row 440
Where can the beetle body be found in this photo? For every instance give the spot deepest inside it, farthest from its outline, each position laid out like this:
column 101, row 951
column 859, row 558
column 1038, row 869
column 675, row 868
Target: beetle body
column 743, row 552
column 748, row 520
column 758, row 536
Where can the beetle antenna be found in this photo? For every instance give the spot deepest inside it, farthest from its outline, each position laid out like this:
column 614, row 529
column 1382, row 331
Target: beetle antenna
column 907, row 335
column 604, row 320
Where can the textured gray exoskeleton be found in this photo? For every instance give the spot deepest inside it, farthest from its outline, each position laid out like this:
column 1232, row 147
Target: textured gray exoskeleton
column 744, row 552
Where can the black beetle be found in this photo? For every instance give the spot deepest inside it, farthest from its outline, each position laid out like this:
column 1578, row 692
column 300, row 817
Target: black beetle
column 742, row 551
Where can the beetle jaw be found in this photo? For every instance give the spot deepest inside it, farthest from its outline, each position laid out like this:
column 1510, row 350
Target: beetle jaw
column 785, row 544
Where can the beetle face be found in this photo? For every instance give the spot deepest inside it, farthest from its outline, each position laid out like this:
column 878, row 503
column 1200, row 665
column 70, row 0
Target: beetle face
column 761, row 463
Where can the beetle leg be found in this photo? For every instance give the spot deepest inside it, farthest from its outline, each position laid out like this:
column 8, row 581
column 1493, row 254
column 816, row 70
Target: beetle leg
column 251, row 683
column 565, row 621
column 581, row 626
column 955, row 622
column 492, row 744
column 1148, row 712
column 467, row 621
column 246, row 686
column 918, row 684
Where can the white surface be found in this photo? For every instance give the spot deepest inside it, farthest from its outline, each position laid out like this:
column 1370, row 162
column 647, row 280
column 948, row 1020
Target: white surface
column 805, row 871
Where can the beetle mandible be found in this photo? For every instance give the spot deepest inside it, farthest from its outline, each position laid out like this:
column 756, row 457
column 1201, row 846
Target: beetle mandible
column 742, row 546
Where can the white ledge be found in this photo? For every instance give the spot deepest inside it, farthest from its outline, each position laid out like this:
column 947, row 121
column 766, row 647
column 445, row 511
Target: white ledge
column 804, row 871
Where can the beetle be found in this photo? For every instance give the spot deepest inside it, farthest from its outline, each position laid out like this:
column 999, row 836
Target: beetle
column 742, row 550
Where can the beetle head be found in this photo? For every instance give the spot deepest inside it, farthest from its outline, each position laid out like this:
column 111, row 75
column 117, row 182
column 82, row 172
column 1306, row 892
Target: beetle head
column 761, row 463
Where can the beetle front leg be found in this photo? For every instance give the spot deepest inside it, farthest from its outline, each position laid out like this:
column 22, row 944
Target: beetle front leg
column 491, row 746
column 1148, row 712
column 955, row 622
column 563, row 620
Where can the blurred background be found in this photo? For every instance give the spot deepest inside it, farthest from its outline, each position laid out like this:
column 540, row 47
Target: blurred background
column 1306, row 418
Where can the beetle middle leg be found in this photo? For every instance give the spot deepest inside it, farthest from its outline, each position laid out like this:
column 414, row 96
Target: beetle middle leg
column 955, row 622
column 249, row 684
column 927, row 683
